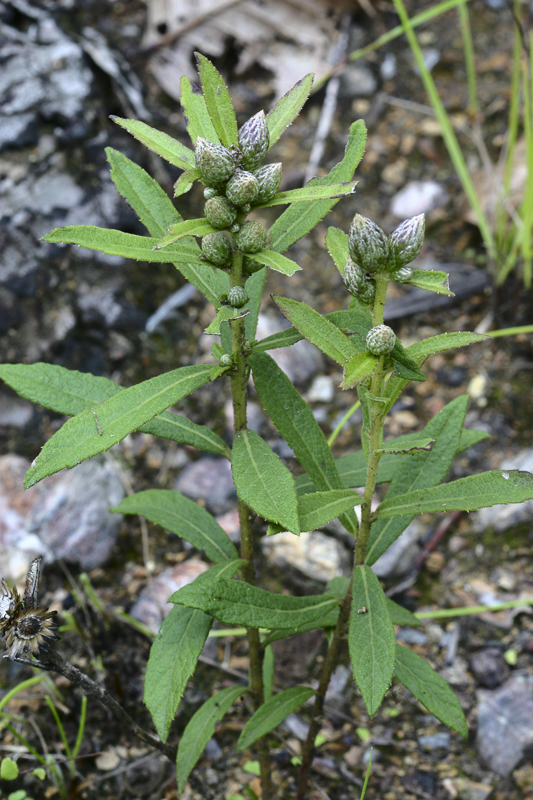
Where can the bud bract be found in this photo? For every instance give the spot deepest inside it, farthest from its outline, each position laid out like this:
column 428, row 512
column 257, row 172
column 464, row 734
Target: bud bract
column 368, row 244
column 220, row 213
column 225, row 360
column 215, row 162
column 209, row 192
column 380, row 340
column 402, row 275
column 242, row 188
column 368, row 293
column 249, row 266
column 406, row 241
column 252, row 237
column 268, row 179
column 354, row 277
column 216, row 248
column 237, row 296
column 254, row 140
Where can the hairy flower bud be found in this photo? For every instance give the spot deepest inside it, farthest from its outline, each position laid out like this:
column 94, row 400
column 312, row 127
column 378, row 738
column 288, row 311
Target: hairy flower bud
column 254, row 140
column 368, row 244
column 225, row 360
column 209, row 192
column 252, row 237
column 220, row 213
column 249, row 266
column 242, row 188
column 380, row 340
column 215, row 162
column 268, row 179
column 368, row 293
column 406, row 241
column 402, row 275
column 354, row 277
column 237, row 296
column 216, row 248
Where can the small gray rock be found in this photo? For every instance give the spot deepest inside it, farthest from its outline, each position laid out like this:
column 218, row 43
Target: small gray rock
column 357, row 80
column 208, row 479
column 314, row 554
column 418, row 197
column 400, row 556
column 18, row 130
column 505, row 723
column 14, row 411
column 299, row 362
column 437, row 741
column 489, row 667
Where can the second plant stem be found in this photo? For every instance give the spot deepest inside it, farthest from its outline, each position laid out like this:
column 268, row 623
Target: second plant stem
column 239, row 379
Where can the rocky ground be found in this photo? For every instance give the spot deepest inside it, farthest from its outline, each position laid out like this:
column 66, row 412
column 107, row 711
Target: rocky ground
column 66, row 68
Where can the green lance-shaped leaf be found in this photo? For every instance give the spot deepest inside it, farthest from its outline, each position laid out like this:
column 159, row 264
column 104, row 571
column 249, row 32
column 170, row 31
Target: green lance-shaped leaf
column 161, row 143
column 254, row 288
column 444, row 341
column 300, row 218
column 418, row 471
column 465, row 494
column 323, row 622
column 197, row 119
column 401, row 616
column 310, row 193
column 179, row 515
column 432, row 280
column 295, row 421
column 318, row 508
column 317, row 329
column 430, row 689
column 218, row 101
column 172, row 661
column 274, row 260
column 358, row 369
column 67, row 391
column 97, row 429
column 238, row 603
column 287, row 108
column 404, row 364
column 151, row 204
column 263, row 482
column 128, row 245
column 284, row 338
column 337, row 245
column 185, row 181
column 371, row 639
column 272, row 713
column 268, row 672
column 188, row 227
column 201, row 728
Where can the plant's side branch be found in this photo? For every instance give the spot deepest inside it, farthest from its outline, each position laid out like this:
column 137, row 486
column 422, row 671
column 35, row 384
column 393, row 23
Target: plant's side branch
column 51, row 660
column 239, row 378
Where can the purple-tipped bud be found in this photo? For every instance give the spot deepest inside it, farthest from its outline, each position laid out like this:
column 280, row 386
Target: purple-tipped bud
column 402, row 275
column 268, row 179
column 215, row 162
column 216, row 248
column 368, row 244
column 237, row 296
column 380, row 340
column 220, row 213
column 252, row 237
column 242, row 188
column 254, row 140
column 406, row 241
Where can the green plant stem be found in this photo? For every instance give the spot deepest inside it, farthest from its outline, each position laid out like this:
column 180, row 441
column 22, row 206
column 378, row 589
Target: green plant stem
column 318, row 708
column 470, row 66
column 239, row 379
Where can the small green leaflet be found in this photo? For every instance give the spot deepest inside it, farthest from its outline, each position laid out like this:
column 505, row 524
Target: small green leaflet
column 405, row 366
column 317, row 329
column 183, row 517
column 309, row 193
column 337, row 245
column 262, row 481
column 358, row 368
column 95, row 430
column 189, row 227
column 371, row 639
column 128, row 245
column 201, row 728
column 430, row 689
column 67, row 391
column 401, row 616
column 151, row 204
column 185, row 181
column 218, row 101
column 432, row 280
column 287, row 108
column 172, row 661
column 272, row 713
column 465, row 494
column 277, row 262
column 319, row 508
column 236, row 602
column 161, row 143
column 444, row 341
column 268, row 672
column 197, row 119
column 223, row 314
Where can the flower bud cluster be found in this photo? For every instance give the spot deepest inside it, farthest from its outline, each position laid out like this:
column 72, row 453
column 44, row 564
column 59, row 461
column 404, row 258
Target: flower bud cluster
column 235, row 181
column 372, row 253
